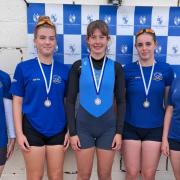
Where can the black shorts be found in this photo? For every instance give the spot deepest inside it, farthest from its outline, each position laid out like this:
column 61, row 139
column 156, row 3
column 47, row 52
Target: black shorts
column 37, row 139
column 174, row 144
column 3, row 155
column 143, row 134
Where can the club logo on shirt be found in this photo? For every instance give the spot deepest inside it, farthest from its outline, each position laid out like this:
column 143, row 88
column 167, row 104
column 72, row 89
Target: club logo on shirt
column 57, row 79
column 157, row 76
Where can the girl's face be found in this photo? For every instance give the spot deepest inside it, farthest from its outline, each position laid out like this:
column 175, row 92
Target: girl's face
column 145, row 46
column 45, row 41
column 97, row 43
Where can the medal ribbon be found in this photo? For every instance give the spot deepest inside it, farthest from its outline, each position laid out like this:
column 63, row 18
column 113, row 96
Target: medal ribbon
column 97, row 85
column 150, row 79
column 48, row 87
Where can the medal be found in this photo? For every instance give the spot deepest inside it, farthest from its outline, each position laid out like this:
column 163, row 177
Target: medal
column 97, row 85
column 146, row 103
column 97, row 101
column 47, row 102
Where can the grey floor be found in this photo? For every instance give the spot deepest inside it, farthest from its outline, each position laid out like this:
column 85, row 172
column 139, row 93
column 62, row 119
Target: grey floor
column 15, row 169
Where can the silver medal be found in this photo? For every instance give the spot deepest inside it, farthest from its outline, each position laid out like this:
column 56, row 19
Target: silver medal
column 47, row 103
column 146, row 104
column 97, row 101
column 97, row 84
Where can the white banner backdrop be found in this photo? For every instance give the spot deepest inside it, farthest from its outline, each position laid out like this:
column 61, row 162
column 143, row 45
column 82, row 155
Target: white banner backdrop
column 123, row 21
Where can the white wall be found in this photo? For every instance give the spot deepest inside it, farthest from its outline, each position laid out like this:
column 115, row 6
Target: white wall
column 13, row 25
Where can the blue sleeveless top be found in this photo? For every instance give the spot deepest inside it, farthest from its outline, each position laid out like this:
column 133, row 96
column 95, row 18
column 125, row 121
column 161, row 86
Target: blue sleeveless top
column 87, row 90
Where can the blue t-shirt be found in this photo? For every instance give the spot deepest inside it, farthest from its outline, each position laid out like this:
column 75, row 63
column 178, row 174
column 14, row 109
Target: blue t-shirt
column 174, row 100
column 5, row 84
column 28, row 82
column 136, row 114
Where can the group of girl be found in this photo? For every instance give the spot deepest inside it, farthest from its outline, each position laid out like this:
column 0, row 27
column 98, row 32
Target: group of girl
column 118, row 108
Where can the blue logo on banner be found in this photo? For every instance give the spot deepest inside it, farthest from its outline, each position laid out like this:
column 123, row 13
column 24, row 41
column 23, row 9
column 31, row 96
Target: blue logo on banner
column 35, row 17
column 174, row 21
column 159, row 20
column 107, row 19
column 54, row 18
column 142, row 18
column 125, row 19
column 177, row 20
column 90, row 18
column 33, row 12
column 175, row 49
column 72, row 19
column 124, row 49
column 72, row 48
column 108, row 14
column 158, row 49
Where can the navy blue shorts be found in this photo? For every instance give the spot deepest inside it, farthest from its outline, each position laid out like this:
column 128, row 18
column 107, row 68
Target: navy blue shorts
column 174, row 144
column 142, row 134
column 3, row 155
column 96, row 132
column 37, row 139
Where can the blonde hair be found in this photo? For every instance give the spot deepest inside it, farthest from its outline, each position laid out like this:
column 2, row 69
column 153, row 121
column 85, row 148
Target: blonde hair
column 44, row 21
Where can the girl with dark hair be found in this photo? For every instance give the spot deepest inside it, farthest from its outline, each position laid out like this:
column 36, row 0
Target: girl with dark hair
column 97, row 128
